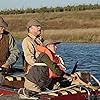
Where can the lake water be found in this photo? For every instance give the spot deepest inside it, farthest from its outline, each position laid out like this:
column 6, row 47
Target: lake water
column 87, row 55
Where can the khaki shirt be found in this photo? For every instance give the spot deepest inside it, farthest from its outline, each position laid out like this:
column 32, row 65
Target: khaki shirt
column 14, row 52
column 28, row 46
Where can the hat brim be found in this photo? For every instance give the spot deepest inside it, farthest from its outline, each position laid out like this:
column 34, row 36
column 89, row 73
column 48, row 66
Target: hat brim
column 56, row 43
column 48, row 42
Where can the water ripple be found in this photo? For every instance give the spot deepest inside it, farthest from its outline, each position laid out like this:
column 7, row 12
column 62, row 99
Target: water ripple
column 87, row 55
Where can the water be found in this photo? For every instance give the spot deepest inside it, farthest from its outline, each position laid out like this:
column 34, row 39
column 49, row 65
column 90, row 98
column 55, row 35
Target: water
column 87, row 55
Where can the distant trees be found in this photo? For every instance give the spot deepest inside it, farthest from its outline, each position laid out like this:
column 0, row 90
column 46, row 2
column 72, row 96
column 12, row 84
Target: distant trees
column 51, row 9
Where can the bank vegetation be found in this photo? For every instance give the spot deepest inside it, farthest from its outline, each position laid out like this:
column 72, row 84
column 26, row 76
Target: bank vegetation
column 80, row 25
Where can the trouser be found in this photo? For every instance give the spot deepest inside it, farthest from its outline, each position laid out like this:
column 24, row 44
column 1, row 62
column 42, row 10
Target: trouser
column 31, row 86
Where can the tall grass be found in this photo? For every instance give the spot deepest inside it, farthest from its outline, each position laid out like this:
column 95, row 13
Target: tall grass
column 74, row 35
column 69, row 35
column 56, row 20
column 19, row 36
column 69, row 26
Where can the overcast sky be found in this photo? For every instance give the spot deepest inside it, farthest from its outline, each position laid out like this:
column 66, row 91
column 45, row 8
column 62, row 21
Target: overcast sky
column 13, row 4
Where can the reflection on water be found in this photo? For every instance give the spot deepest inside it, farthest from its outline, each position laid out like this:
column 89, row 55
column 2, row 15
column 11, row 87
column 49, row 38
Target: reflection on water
column 87, row 55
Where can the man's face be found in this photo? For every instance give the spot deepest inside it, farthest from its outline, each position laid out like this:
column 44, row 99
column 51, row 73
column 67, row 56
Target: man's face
column 36, row 30
column 1, row 29
column 52, row 47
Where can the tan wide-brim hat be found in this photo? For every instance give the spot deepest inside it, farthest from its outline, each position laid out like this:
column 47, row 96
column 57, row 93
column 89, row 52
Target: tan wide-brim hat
column 33, row 22
column 50, row 41
column 3, row 23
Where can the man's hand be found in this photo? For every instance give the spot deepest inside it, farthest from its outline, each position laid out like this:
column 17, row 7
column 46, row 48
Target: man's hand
column 69, row 78
column 6, row 65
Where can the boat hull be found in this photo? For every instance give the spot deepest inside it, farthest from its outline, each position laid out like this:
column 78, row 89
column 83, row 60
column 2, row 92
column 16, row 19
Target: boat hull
column 78, row 96
column 7, row 91
column 73, row 92
column 65, row 97
column 15, row 83
column 63, row 94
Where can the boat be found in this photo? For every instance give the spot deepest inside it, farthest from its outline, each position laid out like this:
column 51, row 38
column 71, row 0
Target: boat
column 79, row 90
column 15, row 80
column 11, row 84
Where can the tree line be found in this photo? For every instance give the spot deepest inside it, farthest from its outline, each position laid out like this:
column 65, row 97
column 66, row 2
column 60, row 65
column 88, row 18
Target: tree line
column 51, row 9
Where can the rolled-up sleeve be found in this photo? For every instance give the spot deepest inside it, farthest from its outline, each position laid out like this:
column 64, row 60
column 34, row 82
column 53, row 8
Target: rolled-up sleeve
column 13, row 50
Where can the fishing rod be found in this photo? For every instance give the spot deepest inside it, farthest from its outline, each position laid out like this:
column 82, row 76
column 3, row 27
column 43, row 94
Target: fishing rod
column 74, row 69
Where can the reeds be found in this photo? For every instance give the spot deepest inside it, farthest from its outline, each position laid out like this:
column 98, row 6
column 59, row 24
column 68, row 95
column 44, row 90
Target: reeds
column 67, row 26
column 91, row 35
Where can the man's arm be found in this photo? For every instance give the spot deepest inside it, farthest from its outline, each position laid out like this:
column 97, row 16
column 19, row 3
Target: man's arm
column 13, row 50
column 53, row 66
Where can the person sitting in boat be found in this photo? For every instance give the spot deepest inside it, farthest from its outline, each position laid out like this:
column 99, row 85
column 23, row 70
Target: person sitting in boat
column 33, row 38
column 48, row 71
column 9, row 52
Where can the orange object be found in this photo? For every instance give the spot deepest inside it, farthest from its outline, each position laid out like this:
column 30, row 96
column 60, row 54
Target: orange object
column 53, row 58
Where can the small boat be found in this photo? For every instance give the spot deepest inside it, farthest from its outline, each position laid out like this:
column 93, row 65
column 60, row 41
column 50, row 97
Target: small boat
column 75, row 92
column 81, row 90
column 16, row 79
column 11, row 84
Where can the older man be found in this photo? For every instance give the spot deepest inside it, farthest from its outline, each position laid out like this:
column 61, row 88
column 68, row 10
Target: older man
column 33, row 38
column 8, row 49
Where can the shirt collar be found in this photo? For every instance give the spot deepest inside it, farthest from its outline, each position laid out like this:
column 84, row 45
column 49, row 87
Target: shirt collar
column 36, row 38
column 31, row 35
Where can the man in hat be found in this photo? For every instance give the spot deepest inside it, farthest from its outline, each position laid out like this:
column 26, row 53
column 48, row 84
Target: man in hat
column 8, row 49
column 46, row 72
column 33, row 38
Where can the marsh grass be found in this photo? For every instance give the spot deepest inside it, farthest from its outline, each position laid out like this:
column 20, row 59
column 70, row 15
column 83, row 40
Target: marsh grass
column 91, row 35
column 74, row 35
column 68, row 26
column 56, row 20
column 19, row 36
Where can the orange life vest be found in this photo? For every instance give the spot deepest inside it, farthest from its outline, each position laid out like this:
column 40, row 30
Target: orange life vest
column 52, row 57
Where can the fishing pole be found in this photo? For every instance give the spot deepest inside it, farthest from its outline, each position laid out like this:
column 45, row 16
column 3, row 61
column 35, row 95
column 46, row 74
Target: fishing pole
column 74, row 69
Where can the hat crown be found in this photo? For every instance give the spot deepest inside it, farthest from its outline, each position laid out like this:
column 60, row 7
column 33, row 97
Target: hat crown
column 32, row 22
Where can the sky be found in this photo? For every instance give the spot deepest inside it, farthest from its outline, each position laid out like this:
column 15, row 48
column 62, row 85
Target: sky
column 17, row 4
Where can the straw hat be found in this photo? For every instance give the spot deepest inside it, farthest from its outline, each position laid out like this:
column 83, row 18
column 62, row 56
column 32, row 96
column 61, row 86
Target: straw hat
column 3, row 23
column 32, row 22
